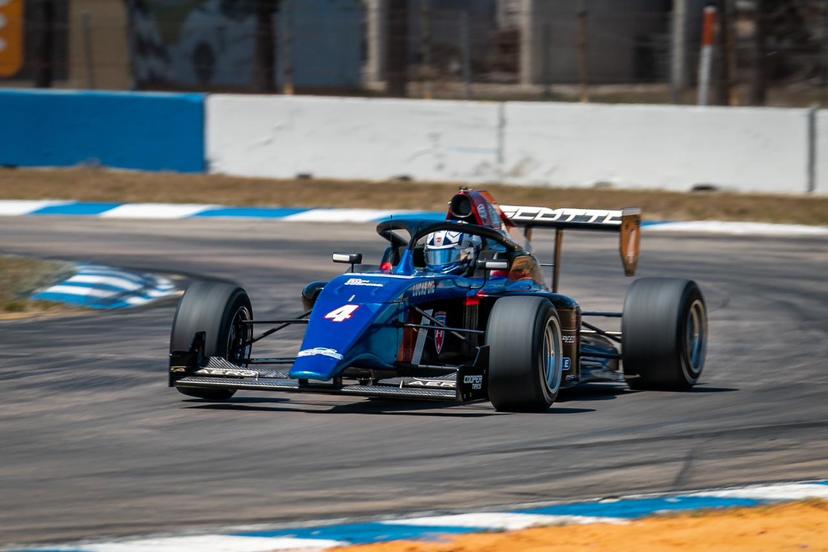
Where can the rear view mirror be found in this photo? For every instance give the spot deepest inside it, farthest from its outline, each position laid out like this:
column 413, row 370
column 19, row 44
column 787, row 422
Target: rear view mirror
column 493, row 264
column 348, row 258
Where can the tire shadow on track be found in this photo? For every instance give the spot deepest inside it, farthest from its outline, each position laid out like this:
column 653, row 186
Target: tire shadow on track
column 607, row 392
column 593, row 392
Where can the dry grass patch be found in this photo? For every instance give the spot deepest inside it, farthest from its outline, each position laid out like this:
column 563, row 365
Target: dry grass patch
column 113, row 186
column 19, row 277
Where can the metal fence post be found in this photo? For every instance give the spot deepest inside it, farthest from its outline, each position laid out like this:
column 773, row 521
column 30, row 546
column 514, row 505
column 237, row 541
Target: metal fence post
column 88, row 54
column 288, row 83
column 583, row 51
column 706, row 61
column 546, row 38
column 425, row 46
column 465, row 53
column 396, row 54
column 678, row 72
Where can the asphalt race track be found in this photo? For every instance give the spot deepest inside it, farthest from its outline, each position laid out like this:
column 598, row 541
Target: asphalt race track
column 93, row 443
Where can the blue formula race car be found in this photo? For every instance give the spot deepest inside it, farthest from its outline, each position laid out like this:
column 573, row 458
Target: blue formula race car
column 457, row 310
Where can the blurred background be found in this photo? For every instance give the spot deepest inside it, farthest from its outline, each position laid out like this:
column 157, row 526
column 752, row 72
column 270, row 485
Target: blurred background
column 767, row 52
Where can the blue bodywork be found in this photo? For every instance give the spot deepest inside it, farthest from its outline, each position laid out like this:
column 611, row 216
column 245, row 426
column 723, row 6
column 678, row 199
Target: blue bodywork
column 357, row 318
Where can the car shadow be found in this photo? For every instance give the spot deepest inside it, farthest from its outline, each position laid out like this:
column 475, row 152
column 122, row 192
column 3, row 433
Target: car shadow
column 593, row 392
column 371, row 407
column 701, row 388
column 609, row 391
column 588, row 392
column 403, row 408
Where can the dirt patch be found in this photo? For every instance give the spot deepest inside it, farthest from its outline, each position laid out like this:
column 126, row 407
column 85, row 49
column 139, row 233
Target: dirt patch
column 112, row 186
column 19, row 277
column 799, row 526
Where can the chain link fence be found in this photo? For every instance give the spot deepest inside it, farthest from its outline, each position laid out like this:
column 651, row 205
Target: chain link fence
column 767, row 51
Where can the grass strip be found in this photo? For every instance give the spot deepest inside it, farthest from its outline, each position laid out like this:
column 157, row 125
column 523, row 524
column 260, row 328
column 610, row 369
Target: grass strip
column 19, row 277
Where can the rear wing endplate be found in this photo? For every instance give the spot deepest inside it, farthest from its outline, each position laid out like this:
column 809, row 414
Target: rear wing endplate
column 627, row 222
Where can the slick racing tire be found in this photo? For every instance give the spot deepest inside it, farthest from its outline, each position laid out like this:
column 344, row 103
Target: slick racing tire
column 217, row 309
column 525, row 346
column 664, row 334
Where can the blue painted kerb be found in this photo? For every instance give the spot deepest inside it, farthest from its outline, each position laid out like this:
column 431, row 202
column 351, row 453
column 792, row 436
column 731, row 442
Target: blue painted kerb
column 127, row 130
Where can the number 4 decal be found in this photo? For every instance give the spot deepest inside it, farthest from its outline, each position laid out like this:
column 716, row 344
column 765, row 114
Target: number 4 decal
column 342, row 313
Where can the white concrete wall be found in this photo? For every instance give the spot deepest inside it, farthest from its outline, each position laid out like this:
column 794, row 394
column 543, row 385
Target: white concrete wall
column 665, row 147
column 549, row 144
column 352, row 138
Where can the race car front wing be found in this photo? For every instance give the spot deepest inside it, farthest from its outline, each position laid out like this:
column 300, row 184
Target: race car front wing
column 463, row 383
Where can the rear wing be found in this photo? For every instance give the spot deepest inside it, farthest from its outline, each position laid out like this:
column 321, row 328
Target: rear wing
column 626, row 222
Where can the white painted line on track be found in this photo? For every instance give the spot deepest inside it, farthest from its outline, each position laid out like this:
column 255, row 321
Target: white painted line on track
column 23, row 207
column 799, row 491
column 156, row 210
column 208, row 543
column 740, row 228
column 505, row 521
column 83, row 291
column 114, row 281
column 342, row 215
column 137, row 301
column 160, row 292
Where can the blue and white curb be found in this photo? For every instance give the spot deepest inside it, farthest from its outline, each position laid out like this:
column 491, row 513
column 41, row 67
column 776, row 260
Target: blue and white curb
column 170, row 211
column 435, row 527
column 149, row 211
column 102, row 287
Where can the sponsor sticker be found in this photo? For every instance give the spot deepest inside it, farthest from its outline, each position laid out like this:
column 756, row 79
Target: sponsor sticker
column 476, row 382
column 320, row 351
column 228, row 372
column 544, row 214
column 439, row 335
column 483, row 213
column 423, row 288
column 442, row 384
column 566, row 364
column 362, row 282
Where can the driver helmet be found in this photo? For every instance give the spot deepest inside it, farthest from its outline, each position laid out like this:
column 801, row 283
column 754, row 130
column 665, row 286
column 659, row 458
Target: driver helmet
column 450, row 252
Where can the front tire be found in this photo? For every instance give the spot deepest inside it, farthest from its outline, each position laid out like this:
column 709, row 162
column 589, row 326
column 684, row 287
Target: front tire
column 525, row 345
column 219, row 310
column 664, row 329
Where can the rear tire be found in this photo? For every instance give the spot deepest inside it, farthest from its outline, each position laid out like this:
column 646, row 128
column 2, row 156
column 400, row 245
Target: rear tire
column 525, row 363
column 664, row 330
column 217, row 309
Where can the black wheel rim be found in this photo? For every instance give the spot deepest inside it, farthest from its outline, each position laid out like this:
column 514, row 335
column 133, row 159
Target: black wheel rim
column 696, row 337
column 551, row 356
column 239, row 336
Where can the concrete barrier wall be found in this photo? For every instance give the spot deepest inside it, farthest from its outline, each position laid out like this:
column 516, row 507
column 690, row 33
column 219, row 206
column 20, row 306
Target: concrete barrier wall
column 664, row 147
column 547, row 144
column 352, row 138
column 550, row 144
column 149, row 132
